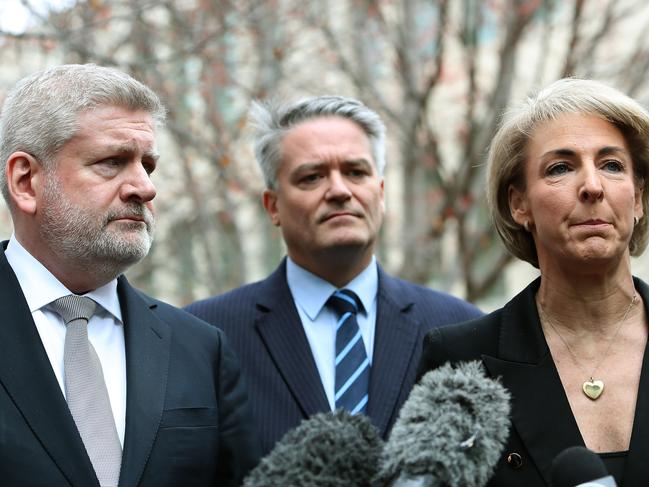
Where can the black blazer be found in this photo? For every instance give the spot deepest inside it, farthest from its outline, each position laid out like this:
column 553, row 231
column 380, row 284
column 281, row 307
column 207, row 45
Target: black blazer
column 264, row 327
column 187, row 417
column 511, row 345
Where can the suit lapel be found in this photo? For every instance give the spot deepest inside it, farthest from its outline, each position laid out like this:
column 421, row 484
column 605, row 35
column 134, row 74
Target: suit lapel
column 147, row 342
column 637, row 469
column 541, row 412
column 27, row 376
column 280, row 328
column 396, row 336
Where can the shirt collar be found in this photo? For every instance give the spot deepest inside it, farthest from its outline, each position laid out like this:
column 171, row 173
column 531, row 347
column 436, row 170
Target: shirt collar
column 311, row 292
column 40, row 287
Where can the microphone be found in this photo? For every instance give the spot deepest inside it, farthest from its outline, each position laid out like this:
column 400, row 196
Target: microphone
column 327, row 450
column 450, row 432
column 579, row 467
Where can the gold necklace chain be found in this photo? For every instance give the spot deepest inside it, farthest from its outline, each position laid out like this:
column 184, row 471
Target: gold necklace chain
column 592, row 388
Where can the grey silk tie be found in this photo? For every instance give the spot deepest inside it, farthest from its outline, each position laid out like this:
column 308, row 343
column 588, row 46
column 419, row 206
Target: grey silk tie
column 86, row 391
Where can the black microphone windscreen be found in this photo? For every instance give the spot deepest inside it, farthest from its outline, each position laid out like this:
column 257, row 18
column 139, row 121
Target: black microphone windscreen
column 327, row 450
column 576, row 465
column 451, row 429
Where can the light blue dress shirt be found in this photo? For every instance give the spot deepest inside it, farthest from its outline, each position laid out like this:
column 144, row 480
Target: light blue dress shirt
column 310, row 294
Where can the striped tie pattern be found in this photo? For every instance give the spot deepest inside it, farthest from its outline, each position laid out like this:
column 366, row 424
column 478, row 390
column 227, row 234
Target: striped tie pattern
column 352, row 363
column 86, row 390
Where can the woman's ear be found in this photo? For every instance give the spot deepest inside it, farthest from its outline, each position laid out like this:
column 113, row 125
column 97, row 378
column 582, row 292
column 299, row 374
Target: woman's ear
column 638, row 210
column 519, row 207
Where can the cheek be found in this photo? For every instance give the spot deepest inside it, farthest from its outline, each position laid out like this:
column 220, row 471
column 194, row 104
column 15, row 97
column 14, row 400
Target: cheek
column 372, row 201
column 550, row 206
column 624, row 200
column 296, row 207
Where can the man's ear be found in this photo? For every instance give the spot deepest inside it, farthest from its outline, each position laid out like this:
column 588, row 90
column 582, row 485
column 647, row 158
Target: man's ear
column 269, row 200
column 519, row 208
column 24, row 181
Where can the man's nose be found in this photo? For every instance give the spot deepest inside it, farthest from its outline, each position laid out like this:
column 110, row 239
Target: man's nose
column 137, row 184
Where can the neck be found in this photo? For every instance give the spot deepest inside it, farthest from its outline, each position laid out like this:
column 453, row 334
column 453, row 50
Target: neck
column 78, row 277
column 588, row 301
column 338, row 269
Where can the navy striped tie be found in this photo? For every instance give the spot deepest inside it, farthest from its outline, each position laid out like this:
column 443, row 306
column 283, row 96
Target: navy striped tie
column 352, row 363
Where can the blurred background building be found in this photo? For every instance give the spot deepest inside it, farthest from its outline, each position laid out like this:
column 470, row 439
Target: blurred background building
column 440, row 73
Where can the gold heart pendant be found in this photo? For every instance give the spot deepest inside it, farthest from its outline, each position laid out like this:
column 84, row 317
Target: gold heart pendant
column 593, row 388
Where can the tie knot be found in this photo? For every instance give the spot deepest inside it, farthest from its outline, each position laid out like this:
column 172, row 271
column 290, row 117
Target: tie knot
column 344, row 301
column 73, row 307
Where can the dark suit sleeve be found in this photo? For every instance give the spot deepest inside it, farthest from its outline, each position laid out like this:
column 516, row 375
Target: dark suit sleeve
column 239, row 449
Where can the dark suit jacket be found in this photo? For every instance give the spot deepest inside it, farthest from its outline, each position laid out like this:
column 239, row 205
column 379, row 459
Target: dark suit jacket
column 511, row 345
column 263, row 325
column 187, row 417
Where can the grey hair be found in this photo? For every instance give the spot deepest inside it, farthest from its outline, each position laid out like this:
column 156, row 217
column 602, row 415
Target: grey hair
column 507, row 154
column 40, row 113
column 273, row 119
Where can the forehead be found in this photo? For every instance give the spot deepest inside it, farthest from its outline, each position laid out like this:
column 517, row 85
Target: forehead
column 107, row 131
column 114, row 118
column 321, row 135
column 574, row 131
column 112, row 126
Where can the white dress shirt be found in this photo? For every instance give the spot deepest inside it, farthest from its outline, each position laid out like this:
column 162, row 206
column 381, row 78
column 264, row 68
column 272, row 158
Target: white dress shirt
column 105, row 328
column 310, row 294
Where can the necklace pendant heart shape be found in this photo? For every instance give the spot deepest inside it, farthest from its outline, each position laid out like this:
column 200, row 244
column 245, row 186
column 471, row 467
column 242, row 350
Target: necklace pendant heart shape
column 593, row 388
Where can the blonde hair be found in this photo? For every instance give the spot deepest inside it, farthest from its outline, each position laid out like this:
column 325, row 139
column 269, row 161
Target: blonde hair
column 506, row 160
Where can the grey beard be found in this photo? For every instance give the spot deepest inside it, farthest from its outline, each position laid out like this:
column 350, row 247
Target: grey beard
column 78, row 236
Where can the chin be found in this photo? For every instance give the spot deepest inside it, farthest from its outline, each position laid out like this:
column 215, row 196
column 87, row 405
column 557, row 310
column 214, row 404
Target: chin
column 599, row 259
column 348, row 241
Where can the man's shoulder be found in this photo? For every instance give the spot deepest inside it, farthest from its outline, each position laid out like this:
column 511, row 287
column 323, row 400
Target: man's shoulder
column 245, row 295
column 438, row 305
column 174, row 316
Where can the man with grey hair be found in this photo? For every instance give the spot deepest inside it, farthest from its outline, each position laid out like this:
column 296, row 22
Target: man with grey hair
column 100, row 384
column 329, row 328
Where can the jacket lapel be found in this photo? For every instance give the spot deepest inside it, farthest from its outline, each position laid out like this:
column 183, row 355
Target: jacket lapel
column 27, row 376
column 396, row 336
column 636, row 470
column 280, row 328
column 147, row 342
column 541, row 412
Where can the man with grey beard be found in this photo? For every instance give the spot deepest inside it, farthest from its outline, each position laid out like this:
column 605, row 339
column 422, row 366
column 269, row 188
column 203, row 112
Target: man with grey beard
column 99, row 383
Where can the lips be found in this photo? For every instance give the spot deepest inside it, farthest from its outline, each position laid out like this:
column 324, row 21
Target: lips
column 134, row 214
column 136, row 218
column 335, row 214
column 593, row 222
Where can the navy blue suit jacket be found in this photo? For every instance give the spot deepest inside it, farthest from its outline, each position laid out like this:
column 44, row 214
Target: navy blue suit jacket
column 264, row 327
column 187, row 417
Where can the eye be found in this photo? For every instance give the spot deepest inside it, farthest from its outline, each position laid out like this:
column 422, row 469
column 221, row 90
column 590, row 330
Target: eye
column 357, row 173
column 111, row 161
column 108, row 166
column 558, row 169
column 310, row 178
column 613, row 166
column 149, row 166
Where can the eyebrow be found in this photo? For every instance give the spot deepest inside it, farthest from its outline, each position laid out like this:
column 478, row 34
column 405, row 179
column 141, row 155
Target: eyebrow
column 604, row 151
column 308, row 166
column 130, row 148
column 361, row 162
